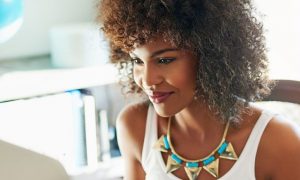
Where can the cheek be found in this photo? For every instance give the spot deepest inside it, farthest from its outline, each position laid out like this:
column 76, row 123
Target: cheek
column 137, row 77
column 185, row 77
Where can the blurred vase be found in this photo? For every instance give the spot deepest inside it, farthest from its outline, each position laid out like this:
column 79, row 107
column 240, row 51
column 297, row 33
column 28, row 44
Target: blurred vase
column 11, row 17
column 78, row 45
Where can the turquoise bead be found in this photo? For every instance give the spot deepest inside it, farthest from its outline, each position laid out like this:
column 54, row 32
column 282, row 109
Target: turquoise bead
column 222, row 148
column 176, row 158
column 166, row 143
column 191, row 164
column 209, row 160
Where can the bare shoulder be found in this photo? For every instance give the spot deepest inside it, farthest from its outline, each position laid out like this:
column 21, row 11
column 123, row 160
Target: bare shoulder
column 283, row 135
column 279, row 149
column 131, row 124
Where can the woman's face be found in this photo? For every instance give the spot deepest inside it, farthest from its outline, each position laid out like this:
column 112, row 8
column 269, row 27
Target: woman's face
column 166, row 74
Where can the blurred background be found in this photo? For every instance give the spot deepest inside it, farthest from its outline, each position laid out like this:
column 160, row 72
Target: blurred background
column 59, row 96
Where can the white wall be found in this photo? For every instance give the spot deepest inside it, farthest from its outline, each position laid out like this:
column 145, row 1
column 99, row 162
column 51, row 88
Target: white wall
column 282, row 22
column 39, row 16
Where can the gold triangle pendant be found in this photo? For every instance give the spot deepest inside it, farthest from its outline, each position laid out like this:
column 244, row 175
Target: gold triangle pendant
column 192, row 172
column 160, row 145
column 229, row 153
column 213, row 168
column 172, row 165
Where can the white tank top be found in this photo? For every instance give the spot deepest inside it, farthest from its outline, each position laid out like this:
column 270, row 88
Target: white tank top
column 244, row 167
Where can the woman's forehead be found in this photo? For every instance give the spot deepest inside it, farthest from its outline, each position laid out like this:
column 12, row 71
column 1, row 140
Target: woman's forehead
column 153, row 47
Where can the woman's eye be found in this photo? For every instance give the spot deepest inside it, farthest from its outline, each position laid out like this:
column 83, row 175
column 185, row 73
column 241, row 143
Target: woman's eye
column 165, row 60
column 137, row 61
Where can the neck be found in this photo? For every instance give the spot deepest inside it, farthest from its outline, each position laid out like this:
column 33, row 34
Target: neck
column 198, row 120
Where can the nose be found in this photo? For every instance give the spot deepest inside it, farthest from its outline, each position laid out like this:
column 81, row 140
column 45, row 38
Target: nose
column 151, row 77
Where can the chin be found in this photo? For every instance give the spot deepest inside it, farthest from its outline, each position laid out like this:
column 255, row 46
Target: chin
column 164, row 111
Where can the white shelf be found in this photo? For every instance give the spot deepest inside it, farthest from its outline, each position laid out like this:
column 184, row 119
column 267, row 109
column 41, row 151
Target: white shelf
column 24, row 84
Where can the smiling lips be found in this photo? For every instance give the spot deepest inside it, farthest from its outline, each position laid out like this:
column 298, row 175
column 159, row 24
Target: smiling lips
column 159, row 97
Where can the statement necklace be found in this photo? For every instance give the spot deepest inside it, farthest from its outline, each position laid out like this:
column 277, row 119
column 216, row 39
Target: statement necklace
column 193, row 168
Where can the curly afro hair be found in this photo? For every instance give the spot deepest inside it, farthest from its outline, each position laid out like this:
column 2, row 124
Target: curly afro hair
column 225, row 35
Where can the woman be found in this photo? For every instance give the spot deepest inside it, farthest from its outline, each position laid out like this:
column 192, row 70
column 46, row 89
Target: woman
column 201, row 63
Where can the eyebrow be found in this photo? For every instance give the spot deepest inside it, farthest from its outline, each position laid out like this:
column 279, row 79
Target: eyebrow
column 161, row 51
column 156, row 53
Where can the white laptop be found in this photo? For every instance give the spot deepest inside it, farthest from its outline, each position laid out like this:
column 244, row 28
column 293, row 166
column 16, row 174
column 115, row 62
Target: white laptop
column 17, row 163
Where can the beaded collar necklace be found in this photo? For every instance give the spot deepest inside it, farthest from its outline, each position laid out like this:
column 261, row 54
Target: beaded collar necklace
column 193, row 168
